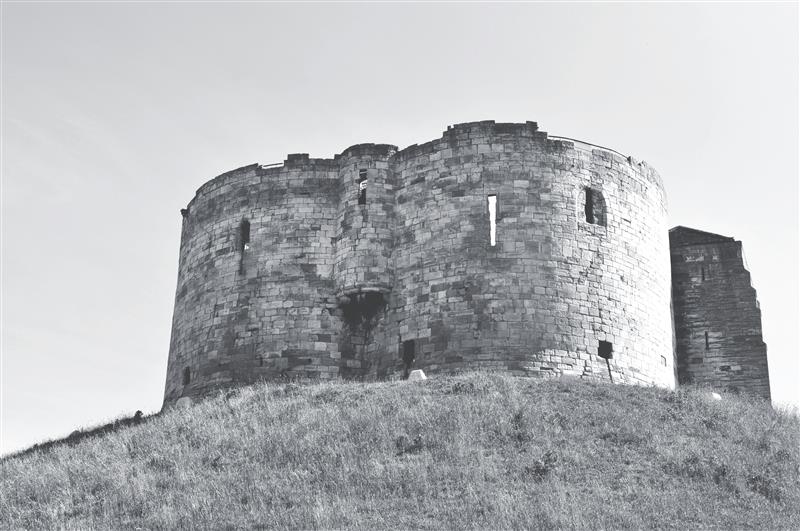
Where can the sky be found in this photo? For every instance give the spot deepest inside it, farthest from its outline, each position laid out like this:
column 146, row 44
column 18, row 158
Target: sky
column 114, row 114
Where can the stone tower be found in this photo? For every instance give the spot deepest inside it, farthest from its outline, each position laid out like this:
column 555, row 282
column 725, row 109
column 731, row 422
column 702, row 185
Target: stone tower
column 717, row 316
column 494, row 246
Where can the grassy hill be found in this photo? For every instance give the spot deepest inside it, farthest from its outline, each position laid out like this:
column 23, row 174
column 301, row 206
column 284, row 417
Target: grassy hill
column 474, row 451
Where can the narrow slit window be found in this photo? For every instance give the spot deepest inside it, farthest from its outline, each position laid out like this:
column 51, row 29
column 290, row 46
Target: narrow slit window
column 588, row 207
column 706, row 340
column 244, row 235
column 187, row 375
column 492, row 200
column 362, row 187
column 703, row 273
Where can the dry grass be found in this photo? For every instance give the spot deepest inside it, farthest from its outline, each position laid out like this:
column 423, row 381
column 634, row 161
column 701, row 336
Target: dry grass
column 476, row 451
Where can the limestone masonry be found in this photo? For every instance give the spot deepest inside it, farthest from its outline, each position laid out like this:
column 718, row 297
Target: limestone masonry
column 493, row 247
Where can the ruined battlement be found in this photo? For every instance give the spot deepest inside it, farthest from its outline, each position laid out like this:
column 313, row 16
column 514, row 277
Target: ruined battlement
column 717, row 315
column 364, row 150
column 493, row 246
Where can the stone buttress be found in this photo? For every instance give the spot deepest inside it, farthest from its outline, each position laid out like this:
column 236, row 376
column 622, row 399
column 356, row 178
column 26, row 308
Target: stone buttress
column 717, row 316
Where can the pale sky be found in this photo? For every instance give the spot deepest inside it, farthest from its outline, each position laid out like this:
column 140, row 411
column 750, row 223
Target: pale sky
column 114, row 114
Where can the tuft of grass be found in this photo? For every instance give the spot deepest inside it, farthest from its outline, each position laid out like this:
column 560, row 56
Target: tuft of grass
column 476, row 451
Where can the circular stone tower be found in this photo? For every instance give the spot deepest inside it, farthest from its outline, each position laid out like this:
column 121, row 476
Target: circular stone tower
column 493, row 247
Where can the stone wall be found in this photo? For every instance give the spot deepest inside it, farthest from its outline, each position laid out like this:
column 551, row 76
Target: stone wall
column 553, row 286
column 717, row 316
column 327, row 287
column 364, row 265
column 245, row 311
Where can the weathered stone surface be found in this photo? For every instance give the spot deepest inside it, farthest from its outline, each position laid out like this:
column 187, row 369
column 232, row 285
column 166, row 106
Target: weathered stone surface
column 184, row 402
column 285, row 274
column 717, row 317
column 416, row 375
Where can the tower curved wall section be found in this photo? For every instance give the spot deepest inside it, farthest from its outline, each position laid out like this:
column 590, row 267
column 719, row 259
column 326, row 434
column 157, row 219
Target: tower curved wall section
column 363, row 261
column 257, row 305
column 553, row 286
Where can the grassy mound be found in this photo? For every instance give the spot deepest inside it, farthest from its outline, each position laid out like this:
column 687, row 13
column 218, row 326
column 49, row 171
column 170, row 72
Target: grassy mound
column 475, row 451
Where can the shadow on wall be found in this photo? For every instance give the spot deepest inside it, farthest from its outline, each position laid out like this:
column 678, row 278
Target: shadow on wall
column 361, row 313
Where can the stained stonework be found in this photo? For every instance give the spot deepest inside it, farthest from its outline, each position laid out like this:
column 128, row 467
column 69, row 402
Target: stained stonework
column 717, row 316
column 379, row 261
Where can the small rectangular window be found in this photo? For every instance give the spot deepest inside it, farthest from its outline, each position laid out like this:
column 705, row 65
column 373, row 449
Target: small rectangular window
column 187, row 376
column 605, row 350
column 594, row 206
column 706, row 340
column 362, row 187
column 492, row 200
column 703, row 273
column 244, row 235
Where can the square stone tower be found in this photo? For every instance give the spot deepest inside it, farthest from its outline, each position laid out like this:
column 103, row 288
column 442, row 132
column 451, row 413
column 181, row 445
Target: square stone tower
column 717, row 316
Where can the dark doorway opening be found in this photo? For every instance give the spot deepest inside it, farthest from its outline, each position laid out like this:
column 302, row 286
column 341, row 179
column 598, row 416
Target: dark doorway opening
column 409, row 355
